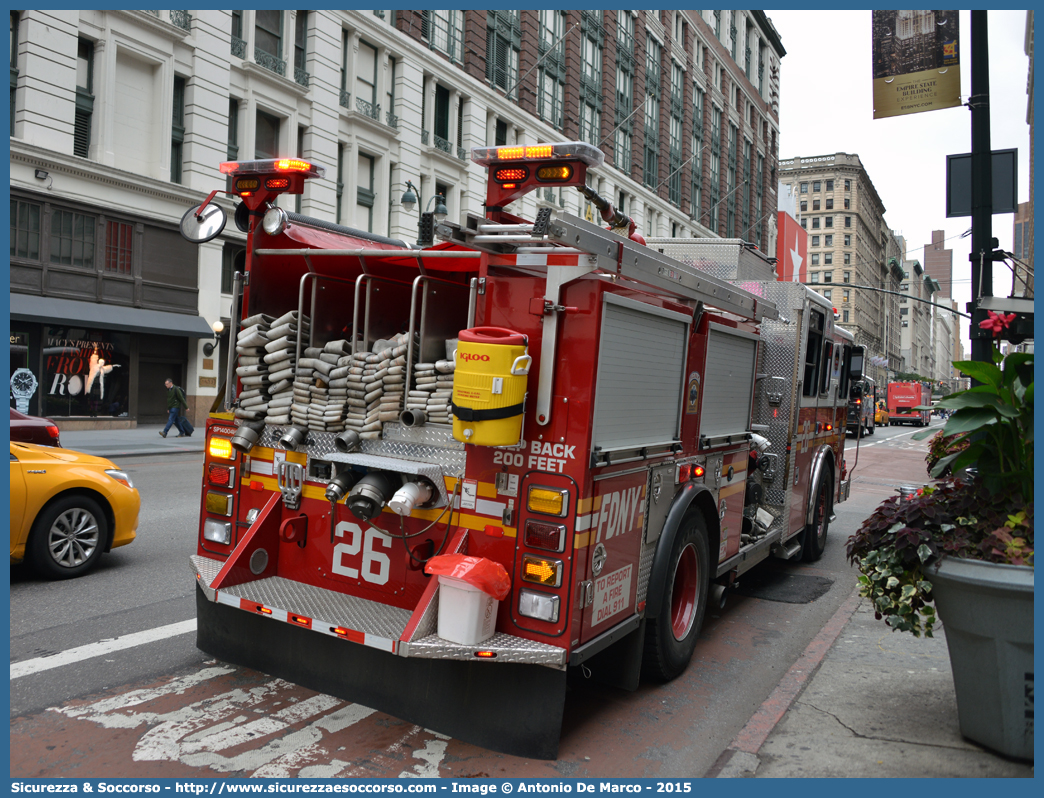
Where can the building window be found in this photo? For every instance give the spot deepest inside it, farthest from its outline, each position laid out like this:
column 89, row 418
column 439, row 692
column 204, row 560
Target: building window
column 715, row 168
column 848, row 185
column 72, row 239
column 25, row 230
column 674, row 141
column 364, row 194
column 444, row 32
column 815, row 222
column 118, row 244
column 366, row 81
column 339, row 186
column 830, row 185
column 804, row 206
column 697, row 155
column 815, row 186
column 266, row 136
column 815, row 259
column 442, row 117
column 847, row 204
column 15, row 18
column 233, row 129
column 298, row 198
column 551, row 73
column 848, row 240
column 84, row 98
column 804, row 188
column 845, row 295
column 815, row 205
column 904, row 311
column 301, row 47
column 903, row 300
column 268, row 40
column 828, row 221
column 848, row 277
column 815, row 241
column 828, row 240
column 828, row 258
column 829, row 203
column 844, row 316
column 848, row 221
column 652, row 112
column 591, row 38
column 813, row 277
column 904, row 287
column 730, row 185
column 233, row 259
column 848, row 258
column 503, row 39
column 906, row 324
column 804, row 223
column 177, row 130
column 828, row 277
column 758, row 183
column 827, row 294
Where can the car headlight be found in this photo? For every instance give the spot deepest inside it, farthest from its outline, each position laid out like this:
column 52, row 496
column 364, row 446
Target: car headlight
column 120, row 476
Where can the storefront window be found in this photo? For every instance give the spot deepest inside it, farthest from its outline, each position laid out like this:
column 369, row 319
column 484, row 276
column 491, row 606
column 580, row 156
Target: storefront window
column 24, row 382
column 86, row 372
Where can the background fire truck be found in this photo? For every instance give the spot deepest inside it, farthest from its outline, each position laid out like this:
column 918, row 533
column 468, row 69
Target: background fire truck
column 903, row 397
column 625, row 429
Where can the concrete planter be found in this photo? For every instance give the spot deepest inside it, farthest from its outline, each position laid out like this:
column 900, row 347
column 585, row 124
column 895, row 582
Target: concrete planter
column 987, row 612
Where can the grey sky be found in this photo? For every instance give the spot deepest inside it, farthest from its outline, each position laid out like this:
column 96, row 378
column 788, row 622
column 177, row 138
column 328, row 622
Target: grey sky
column 826, row 106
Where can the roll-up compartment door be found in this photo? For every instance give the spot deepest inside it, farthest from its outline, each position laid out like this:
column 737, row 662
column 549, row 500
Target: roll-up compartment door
column 728, row 381
column 641, row 361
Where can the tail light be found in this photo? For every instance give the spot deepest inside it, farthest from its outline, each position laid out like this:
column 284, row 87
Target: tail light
column 222, row 448
column 220, row 475
column 541, row 571
column 542, row 535
column 52, row 431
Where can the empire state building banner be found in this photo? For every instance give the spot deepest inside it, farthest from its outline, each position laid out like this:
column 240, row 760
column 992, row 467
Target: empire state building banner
column 916, row 62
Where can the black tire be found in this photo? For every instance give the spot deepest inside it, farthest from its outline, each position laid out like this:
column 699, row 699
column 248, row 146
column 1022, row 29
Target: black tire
column 815, row 534
column 68, row 538
column 872, row 427
column 671, row 637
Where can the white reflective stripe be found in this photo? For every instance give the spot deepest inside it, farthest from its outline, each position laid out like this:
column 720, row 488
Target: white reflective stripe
column 527, row 259
column 583, row 522
column 382, row 643
column 91, row 650
column 486, row 507
column 225, row 598
column 261, row 468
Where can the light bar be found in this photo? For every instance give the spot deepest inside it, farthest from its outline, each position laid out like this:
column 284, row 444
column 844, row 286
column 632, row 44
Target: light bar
column 270, row 165
column 566, row 150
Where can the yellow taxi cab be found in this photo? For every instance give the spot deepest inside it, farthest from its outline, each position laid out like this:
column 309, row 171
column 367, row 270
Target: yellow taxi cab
column 67, row 508
column 881, row 413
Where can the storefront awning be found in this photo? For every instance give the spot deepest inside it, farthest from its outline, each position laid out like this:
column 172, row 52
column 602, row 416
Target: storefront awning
column 50, row 310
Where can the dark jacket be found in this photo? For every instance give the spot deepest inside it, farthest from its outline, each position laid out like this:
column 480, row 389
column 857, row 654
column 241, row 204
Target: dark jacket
column 176, row 398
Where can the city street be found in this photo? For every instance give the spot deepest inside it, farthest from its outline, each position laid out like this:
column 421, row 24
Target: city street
column 160, row 708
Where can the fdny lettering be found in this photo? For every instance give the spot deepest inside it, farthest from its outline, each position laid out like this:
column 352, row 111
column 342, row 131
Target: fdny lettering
column 619, row 513
column 550, row 456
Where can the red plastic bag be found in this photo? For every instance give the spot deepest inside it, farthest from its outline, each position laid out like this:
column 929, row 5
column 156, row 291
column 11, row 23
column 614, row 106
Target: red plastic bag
column 488, row 576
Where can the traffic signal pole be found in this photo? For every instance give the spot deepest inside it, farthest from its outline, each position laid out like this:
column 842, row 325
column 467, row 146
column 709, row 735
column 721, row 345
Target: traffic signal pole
column 982, row 243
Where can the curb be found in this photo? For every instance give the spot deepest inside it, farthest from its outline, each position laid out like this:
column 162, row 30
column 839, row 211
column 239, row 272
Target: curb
column 741, row 757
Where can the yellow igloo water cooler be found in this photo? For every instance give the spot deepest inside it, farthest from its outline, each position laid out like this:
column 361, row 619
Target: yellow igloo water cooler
column 489, row 386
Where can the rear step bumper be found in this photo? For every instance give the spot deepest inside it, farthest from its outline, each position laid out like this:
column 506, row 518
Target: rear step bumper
column 512, row 708
column 368, row 623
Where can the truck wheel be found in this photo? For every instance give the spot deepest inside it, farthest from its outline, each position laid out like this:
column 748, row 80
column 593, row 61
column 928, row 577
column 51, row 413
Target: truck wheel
column 68, row 538
column 671, row 637
column 871, row 432
column 815, row 534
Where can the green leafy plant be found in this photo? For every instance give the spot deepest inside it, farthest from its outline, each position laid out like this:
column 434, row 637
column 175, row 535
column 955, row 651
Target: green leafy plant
column 895, row 546
column 994, row 420
column 940, row 446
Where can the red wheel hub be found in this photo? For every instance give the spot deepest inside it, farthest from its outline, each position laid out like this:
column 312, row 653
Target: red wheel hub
column 685, row 593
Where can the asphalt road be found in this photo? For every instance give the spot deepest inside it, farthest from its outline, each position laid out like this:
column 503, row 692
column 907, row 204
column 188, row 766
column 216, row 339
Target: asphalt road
column 162, row 709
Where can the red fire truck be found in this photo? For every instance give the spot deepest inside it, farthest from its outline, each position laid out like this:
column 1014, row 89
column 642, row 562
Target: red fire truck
column 655, row 432
column 903, row 397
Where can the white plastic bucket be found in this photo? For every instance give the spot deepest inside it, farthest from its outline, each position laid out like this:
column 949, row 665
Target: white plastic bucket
column 467, row 615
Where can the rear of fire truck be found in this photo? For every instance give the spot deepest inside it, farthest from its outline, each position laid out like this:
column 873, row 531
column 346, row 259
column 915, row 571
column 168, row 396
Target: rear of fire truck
column 546, row 396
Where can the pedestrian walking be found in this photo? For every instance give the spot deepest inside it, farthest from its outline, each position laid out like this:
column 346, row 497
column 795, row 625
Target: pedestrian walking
column 175, row 405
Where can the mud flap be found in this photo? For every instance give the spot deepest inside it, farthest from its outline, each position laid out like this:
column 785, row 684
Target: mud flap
column 620, row 665
column 511, row 708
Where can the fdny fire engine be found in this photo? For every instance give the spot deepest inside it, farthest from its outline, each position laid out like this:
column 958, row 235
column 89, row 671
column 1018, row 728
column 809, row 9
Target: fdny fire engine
column 624, row 428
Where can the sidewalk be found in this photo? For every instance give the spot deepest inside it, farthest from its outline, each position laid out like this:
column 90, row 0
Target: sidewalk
column 142, row 441
column 869, row 704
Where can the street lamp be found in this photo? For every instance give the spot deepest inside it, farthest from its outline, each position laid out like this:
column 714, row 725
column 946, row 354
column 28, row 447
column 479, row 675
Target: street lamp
column 426, row 222
column 208, row 348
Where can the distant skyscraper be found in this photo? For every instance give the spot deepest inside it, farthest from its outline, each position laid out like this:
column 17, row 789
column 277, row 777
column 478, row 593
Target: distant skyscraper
column 938, row 262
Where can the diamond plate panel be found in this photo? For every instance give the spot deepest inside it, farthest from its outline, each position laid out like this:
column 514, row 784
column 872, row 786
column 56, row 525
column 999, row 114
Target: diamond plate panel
column 206, row 571
column 726, row 259
column 352, row 612
column 508, row 648
column 645, row 563
column 440, row 435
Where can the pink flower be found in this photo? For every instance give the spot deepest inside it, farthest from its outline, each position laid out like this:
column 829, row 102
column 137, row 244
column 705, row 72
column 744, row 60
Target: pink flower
column 997, row 322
